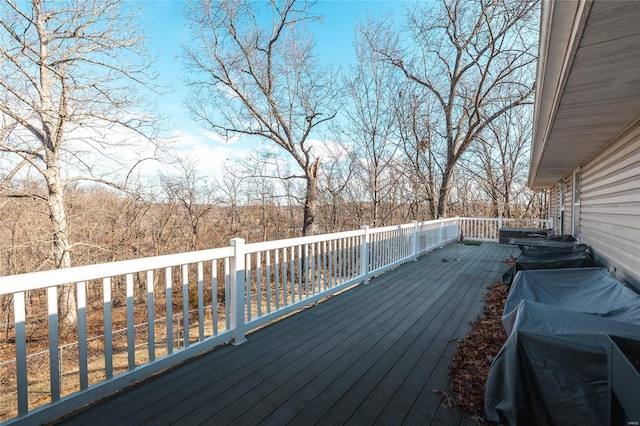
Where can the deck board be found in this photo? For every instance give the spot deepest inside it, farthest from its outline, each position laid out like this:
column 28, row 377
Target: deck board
column 371, row 355
column 421, row 381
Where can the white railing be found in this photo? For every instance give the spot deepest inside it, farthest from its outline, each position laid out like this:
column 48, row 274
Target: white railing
column 218, row 296
column 486, row 229
column 222, row 294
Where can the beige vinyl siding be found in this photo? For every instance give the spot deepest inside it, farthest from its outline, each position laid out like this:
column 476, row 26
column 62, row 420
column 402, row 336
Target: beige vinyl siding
column 568, row 188
column 553, row 208
column 610, row 205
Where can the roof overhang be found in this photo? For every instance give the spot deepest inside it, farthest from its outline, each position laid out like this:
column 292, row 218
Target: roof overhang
column 587, row 83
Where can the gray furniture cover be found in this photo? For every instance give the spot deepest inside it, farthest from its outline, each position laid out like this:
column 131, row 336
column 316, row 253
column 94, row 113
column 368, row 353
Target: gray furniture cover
column 589, row 290
column 550, row 258
column 553, row 367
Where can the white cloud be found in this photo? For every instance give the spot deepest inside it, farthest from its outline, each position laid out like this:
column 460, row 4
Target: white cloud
column 207, row 152
column 111, row 154
column 215, row 137
column 329, row 150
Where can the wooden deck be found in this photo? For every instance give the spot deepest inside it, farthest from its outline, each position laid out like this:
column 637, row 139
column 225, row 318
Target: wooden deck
column 372, row 355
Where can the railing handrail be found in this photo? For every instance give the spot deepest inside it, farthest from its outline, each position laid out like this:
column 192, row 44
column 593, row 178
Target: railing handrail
column 43, row 279
column 289, row 242
column 503, row 219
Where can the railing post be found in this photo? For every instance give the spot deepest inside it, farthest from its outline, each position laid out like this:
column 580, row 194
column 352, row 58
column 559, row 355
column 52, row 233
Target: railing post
column 236, row 275
column 441, row 231
column 414, row 241
column 131, row 341
column 364, row 255
column 21, row 352
column 55, row 370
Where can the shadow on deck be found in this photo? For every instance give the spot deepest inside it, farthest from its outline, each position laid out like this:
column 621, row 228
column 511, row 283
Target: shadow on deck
column 372, row 355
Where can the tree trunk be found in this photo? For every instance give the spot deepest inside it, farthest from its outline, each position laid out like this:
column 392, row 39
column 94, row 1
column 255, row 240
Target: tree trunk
column 431, row 190
column 310, row 199
column 310, row 207
column 445, row 190
column 67, row 305
column 507, row 204
column 375, row 202
column 495, row 202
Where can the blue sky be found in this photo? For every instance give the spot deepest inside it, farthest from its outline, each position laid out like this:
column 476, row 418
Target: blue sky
column 166, row 32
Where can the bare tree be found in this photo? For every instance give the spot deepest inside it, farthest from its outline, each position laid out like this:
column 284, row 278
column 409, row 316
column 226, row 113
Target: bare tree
column 265, row 173
column 70, row 72
column 475, row 60
column 338, row 178
column 500, row 160
column 195, row 198
column 231, row 187
column 372, row 88
column 422, row 164
column 21, row 232
column 255, row 74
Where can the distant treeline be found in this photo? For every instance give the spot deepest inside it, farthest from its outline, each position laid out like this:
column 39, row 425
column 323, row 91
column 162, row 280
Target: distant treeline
column 109, row 226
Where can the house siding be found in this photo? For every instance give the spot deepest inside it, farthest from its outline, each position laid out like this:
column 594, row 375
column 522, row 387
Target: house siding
column 555, row 208
column 610, row 205
column 568, row 188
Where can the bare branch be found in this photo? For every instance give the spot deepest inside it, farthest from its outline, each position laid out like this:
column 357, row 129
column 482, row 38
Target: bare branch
column 258, row 79
column 471, row 57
